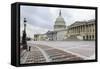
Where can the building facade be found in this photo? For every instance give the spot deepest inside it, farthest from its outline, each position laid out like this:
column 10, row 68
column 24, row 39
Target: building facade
column 40, row 37
column 83, row 30
column 52, row 35
column 59, row 31
column 80, row 30
column 62, row 34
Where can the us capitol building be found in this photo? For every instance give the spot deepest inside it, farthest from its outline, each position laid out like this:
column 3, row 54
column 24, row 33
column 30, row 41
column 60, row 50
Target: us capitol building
column 79, row 30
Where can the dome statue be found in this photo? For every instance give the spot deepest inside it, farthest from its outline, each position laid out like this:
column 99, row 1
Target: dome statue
column 59, row 23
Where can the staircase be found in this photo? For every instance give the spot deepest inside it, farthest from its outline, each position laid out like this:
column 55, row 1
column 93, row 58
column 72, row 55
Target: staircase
column 72, row 38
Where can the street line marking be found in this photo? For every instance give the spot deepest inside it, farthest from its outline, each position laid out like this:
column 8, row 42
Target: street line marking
column 45, row 54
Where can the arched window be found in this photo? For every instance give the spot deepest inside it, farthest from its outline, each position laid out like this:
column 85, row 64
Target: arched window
column 87, row 37
column 90, row 37
column 83, row 37
column 93, row 37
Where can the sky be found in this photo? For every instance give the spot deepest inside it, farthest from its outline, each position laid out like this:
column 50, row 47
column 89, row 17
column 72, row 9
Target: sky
column 42, row 19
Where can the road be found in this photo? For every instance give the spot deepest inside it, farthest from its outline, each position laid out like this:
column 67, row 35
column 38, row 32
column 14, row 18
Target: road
column 54, row 51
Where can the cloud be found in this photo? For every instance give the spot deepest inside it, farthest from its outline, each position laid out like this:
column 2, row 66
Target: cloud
column 71, row 15
column 42, row 19
column 31, row 30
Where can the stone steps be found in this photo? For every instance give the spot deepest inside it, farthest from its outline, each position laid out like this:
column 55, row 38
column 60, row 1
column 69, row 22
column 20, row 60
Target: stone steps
column 72, row 38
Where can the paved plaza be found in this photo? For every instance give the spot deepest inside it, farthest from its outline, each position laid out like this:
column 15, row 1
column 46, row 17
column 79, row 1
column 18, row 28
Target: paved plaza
column 55, row 51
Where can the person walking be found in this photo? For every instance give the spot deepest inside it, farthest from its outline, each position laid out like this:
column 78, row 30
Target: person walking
column 29, row 48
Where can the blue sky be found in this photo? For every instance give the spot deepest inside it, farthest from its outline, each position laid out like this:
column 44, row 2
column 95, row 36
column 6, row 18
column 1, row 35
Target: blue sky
column 42, row 19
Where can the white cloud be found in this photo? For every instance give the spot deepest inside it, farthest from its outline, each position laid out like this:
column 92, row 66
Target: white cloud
column 41, row 19
column 31, row 30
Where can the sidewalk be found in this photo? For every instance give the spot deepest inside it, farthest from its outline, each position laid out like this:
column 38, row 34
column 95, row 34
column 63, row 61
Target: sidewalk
column 42, row 53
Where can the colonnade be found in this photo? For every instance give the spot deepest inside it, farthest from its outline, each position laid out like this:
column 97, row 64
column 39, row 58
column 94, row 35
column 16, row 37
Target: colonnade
column 87, row 31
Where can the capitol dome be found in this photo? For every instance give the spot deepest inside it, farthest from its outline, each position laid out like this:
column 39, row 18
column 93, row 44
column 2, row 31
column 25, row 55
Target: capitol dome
column 59, row 23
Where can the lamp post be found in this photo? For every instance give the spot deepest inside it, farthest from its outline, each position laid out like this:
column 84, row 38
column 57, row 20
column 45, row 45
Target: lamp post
column 24, row 41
